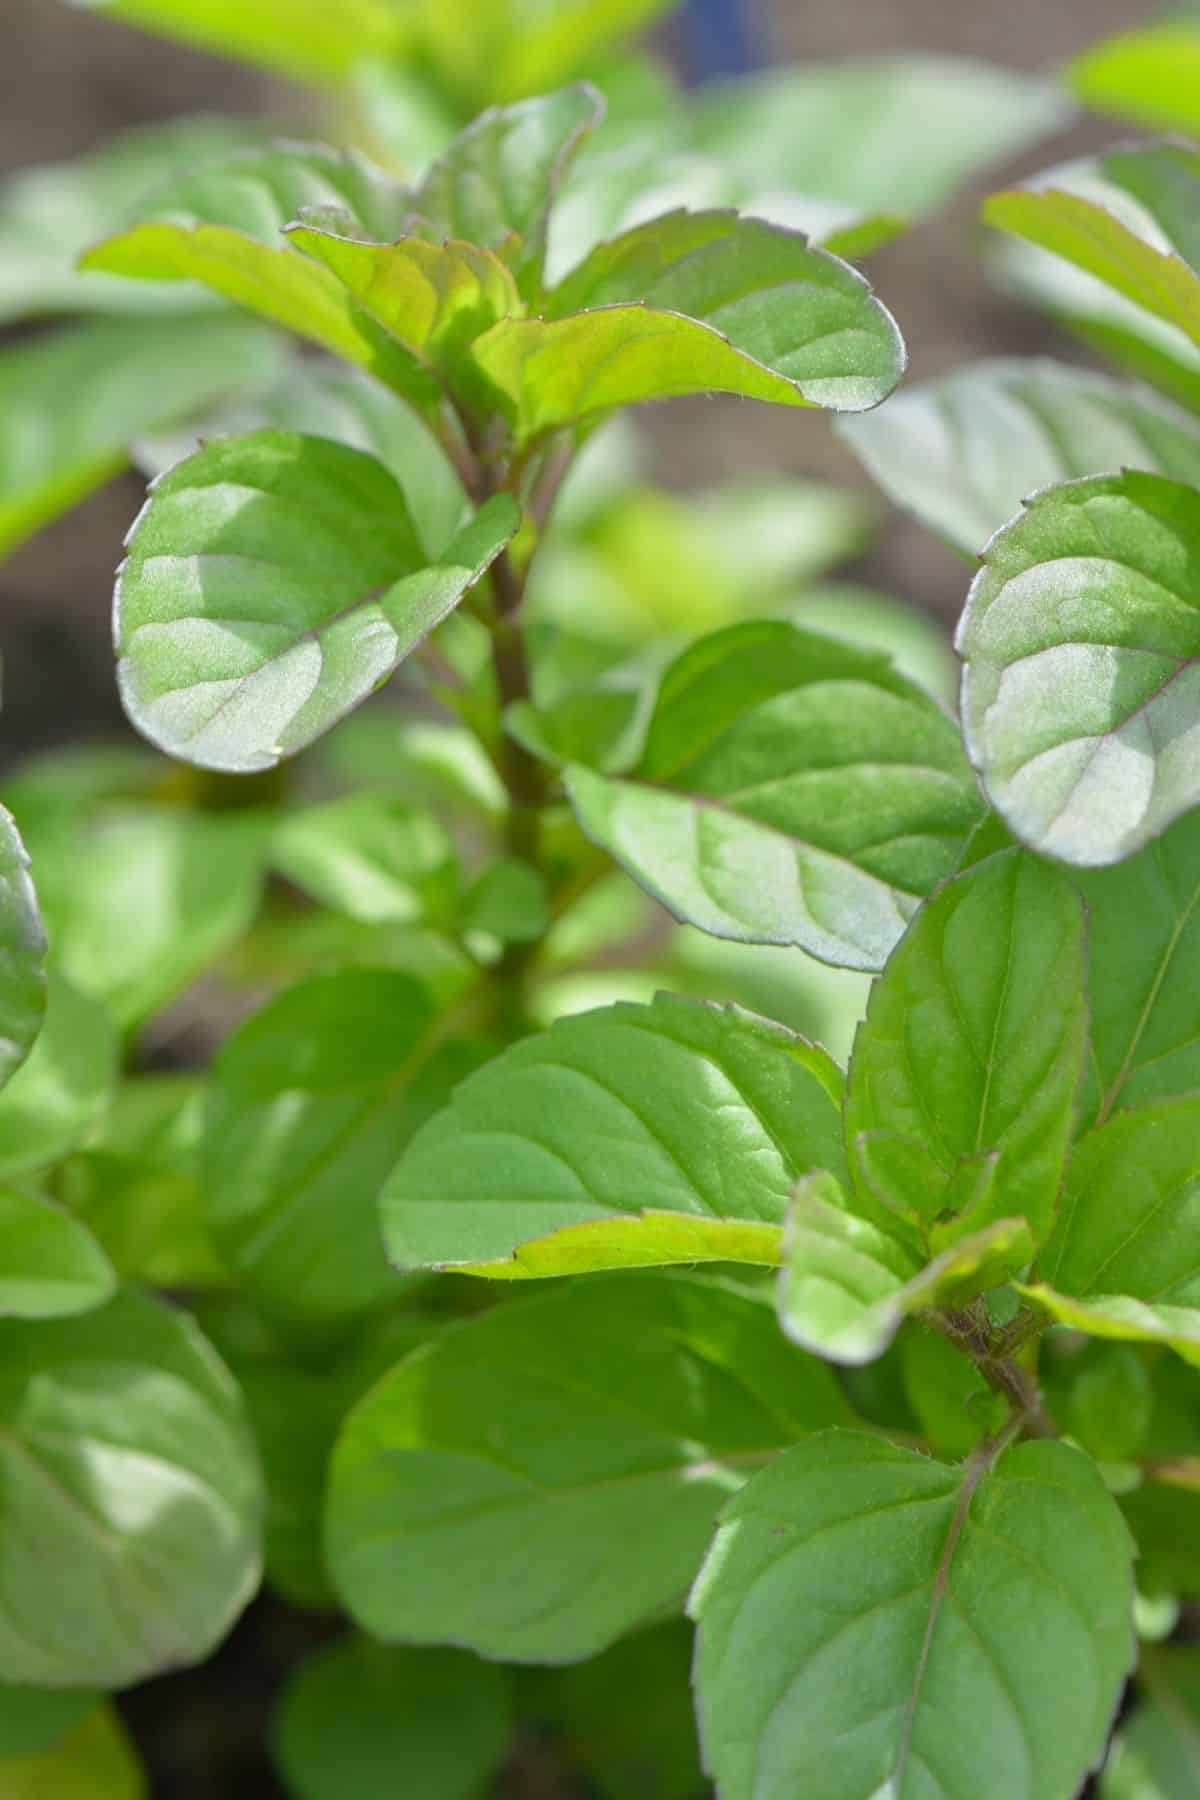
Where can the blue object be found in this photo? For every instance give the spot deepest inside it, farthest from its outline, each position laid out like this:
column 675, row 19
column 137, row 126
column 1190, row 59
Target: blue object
column 722, row 37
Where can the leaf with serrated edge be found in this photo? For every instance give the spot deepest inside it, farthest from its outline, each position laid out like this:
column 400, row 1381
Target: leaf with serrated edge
column 1081, row 691
column 544, row 1478
column 962, row 452
column 622, row 1137
column 710, row 302
column 793, row 789
column 273, row 582
column 880, row 1598
column 846, row 1288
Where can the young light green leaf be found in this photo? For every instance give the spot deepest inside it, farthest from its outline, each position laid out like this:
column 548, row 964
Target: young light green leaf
column 273, row 582
column 544, row 1478
column 793, row 789
column 1143, row 938
column 32, row 1719
column 369, row 856
column 846, row 1287
column 973, row 1045
column 963, row 452
column 1130, row 1217
column 690, row 304
column 95, row 1760
column 305, row 39
column 50, row 1266
column 22, row 954
column 505, row 49
column 1081, row 639
column 1156, row 1755
column 309, row 1106
column 495, row 184
column 359, row 1718
column 64, row 1084
column 131, row 1500
column 1150, row 74
column 71, row 403
column 624, row 1137
column 862, row 1584
column 1122, row 1317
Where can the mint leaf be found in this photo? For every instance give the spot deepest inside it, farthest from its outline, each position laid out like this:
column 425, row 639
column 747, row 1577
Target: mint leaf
column 690, row 304
column 32, row 1719
column 861, row 1583
column 1156, row 1755
column 543, row 1478
column 1149, row 74
column 792, row 789
column 64, row 1084
column 129, row 1475
column 846, row 1287
column 22, row 954
column 359, row 1718
column 1081, row 637
column 972, row 1047
column 95, row 1759
column 299, row 38
column 963, row 452
column 583, row 1148
column 369, row 856
column 50, row 1266
column 249, row 616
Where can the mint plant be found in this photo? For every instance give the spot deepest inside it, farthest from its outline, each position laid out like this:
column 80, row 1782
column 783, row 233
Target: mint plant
column 597, row 1352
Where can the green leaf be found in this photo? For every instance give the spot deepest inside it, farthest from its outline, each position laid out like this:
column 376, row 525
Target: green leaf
column 1143, row 938
column 793, row 789
column 71, row 403
column 953, row 1404
column 95, row 1760
column 32, row 1719
column 881, row 1599
column 506, row 49
column 1156, row 1755
column 1164, row 1518
column 1109, row 245
column 585, row 1147
column 249, row 612
column 972, row 1048
column 846, row 1287
column 1102, row 1395
column 63, row 1086
column 130, row 1497
column 52, row 212
column 369, row 856
column 50, row 1266
column 626, row 1751
column 963, row 452
column 1150, row 74
column 1081, row 638
column 544, row 1478
column 495, row 184
column 690, row 304
column 359, row 1720
column 223, row 226
column 189, row 884
column 1125, row 1254
column 310, row 1103
column 304, row 39
column 509, row 901
column 22, row 954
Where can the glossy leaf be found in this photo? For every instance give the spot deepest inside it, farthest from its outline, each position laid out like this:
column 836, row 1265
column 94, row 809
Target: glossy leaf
column 587, row 1147
column 64, row 1084
column 963, row 452
column 72, row 402
column 358, row 1719
column 1150, row 74
column 545, row 1477
column 305, row 39
column 130, row 1476
column 50, row 1267
column 691, row 304
column 1081, row 637
column 311, row 1102
column 1156, row 1755
column 1143, row 938
column 882, row 1598
column 972, row 1049
column 847, row 1287
column 95, row 1760
column 792, row 789
column 22, row 954
column 249, row 611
